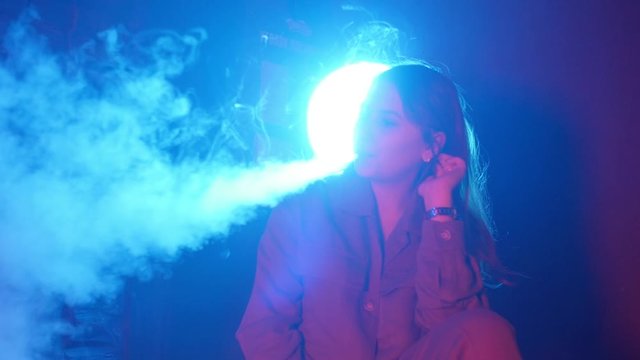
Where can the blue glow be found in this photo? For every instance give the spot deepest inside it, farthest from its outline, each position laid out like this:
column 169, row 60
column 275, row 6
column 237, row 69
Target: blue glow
column 100, row 144
column 334, row 108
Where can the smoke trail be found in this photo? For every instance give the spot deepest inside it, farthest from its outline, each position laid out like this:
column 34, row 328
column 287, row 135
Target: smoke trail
column 93, row 182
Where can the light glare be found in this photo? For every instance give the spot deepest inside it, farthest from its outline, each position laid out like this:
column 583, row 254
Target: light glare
column 334, row 109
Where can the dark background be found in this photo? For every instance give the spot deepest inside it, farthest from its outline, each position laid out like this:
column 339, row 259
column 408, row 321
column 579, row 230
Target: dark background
column 553, row 87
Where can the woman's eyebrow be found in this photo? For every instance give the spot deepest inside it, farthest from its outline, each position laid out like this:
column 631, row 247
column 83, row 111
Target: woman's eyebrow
column 389, row 112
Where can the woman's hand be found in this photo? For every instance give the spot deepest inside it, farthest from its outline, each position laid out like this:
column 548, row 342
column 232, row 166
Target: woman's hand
column 436, row 190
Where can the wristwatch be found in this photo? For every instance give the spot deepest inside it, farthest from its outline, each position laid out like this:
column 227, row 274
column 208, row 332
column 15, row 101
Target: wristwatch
column 433, row 212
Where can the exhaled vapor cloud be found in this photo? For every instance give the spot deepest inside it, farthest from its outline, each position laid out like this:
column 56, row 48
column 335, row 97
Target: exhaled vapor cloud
column 91, row 187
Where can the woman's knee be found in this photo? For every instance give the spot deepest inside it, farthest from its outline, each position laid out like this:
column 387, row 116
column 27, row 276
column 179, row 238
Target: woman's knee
column 470, row 334
column 482, row 323
column 488, row 335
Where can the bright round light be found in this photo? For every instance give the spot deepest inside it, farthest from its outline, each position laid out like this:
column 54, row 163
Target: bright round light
column 334, row 108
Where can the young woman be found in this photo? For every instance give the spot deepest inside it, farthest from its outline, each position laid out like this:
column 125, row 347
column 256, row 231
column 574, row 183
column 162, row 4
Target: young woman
column 384, row 261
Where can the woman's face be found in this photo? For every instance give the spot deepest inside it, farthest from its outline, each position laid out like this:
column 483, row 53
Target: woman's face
column 389, row 147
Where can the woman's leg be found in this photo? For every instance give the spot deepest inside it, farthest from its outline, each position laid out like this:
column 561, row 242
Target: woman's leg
column 477, row 334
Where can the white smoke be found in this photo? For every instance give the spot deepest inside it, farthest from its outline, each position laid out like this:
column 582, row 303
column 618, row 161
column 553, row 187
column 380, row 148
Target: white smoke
column 90, row 186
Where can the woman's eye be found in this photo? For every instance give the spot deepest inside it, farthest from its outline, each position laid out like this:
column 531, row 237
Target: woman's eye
column 388, row 123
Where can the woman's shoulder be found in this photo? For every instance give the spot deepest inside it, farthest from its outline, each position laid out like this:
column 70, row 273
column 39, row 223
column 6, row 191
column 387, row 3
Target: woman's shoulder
column 345, row 189
column 310, row 195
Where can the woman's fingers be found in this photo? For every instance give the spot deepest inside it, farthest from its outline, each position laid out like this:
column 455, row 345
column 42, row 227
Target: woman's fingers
column 442, row 157
column 449, row 170
column 448, row 163
column 440, row 169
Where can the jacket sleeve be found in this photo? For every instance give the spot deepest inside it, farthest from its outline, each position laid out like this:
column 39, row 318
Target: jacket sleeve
column 448, row 280
column 269, row 327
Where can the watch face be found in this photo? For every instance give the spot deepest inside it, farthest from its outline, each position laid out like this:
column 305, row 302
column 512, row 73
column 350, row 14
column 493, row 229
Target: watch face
column 441, row 211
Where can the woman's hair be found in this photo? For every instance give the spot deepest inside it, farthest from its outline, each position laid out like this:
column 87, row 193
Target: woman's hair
column 431, row 100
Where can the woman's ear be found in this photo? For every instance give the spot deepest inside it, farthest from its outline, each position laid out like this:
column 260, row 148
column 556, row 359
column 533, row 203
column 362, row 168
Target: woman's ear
column 439, row 139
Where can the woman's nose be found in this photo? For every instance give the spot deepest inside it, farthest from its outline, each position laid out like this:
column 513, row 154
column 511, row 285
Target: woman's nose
column 365, row 138
column 362, row 130
column 363, row 126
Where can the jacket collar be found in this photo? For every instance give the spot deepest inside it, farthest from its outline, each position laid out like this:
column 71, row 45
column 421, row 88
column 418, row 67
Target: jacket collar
column 352, row 193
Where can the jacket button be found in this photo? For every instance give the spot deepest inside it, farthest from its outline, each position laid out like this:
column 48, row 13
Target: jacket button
column 369, row 306
column 446, row 235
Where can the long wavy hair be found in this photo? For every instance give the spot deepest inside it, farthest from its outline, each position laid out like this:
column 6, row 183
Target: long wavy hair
column 433, row 101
